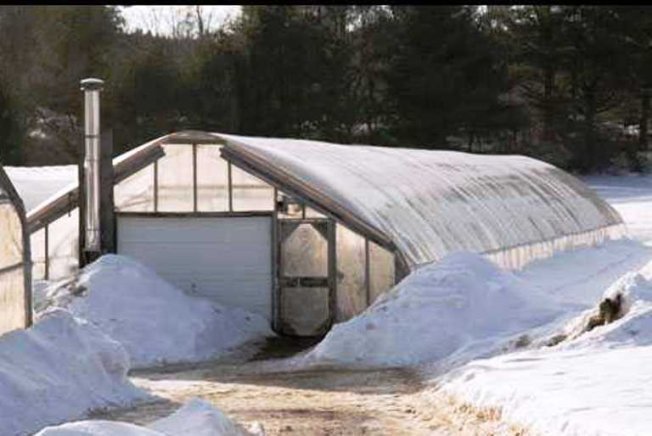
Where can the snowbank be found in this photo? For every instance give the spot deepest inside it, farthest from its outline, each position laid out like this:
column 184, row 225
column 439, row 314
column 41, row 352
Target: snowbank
column 634, row 326
column 196, row 418
column 57, row 370
column 594, row 383
column 462, row 304
column 156, row 322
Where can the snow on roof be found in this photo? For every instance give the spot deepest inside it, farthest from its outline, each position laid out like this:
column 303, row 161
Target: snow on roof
column 430, row 202
column 36, row 184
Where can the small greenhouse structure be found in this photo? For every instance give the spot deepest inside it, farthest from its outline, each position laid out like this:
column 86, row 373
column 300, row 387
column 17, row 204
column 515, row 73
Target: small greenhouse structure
column 15, row 268
column 309, row 233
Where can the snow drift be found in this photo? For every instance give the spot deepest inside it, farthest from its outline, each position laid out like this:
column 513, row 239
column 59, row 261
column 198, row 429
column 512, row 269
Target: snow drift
column 463, row 302
column 196, row 418
column 57, row 370
column 156, row 322
column 594, row 382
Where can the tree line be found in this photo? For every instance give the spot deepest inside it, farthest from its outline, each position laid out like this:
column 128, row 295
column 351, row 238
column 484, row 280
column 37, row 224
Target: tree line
column 567, row 84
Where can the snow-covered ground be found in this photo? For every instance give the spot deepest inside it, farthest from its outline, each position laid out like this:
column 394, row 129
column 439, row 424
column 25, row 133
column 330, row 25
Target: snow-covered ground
column 196, row 418
column 57, row 370
column 598, row 383
column 631, row 196
column 156, row 322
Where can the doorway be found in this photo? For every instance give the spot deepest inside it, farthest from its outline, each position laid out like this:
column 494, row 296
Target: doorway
column 306, row 285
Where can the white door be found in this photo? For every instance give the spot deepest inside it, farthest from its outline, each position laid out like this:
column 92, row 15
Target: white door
column 227, row 259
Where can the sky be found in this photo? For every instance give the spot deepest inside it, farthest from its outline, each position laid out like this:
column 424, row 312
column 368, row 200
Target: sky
column 159, row 19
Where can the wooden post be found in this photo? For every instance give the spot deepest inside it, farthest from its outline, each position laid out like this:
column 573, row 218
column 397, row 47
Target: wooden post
column 194, row 178
column 401, row 270
column 332, row 270
column 107, row 212
column 230, row 185
column 46, row 242
column 367, row 271
column 156, row 186
column 81, row 204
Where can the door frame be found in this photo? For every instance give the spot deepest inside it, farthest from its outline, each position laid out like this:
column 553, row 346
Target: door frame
column 331, row 269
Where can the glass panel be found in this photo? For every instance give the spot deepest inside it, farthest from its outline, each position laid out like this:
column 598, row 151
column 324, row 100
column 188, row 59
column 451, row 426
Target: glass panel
column 381, row 270
column 37, row 248
column 63, row 251
column 175, row 179
column 249, row 192
column 351, row 289
column 136, row 192
column 212, row 179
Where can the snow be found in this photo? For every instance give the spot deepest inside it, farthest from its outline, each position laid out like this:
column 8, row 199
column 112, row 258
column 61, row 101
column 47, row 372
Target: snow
column 431, row 203
column 463, row 302
column 57, row 370
column 631, row 196
column 98, row 428
column 196, row 417
column 156, row 322
column 37, row 184
column 596, row 382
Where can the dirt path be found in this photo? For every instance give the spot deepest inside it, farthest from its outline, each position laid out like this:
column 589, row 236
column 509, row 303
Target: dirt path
column 315, row 402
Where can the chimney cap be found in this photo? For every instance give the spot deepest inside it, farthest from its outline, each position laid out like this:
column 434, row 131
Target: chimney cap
column 91, row 84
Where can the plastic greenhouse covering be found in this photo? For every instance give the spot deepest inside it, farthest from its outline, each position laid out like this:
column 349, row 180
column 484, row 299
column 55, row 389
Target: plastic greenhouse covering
column 15, row 310
column 430, row 203
column 37, row 184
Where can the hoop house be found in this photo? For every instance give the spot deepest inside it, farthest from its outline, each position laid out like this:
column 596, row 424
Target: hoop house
column 15, row 268
column 308, row 233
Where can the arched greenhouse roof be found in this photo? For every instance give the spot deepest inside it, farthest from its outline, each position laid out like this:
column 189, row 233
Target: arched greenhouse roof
column 427, row 203
column 422, row 204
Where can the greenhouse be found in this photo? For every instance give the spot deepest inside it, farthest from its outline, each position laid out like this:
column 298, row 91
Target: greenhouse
column 15, row 282
column 310, row 233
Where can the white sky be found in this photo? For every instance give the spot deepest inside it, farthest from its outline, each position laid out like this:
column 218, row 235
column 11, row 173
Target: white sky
column 159, row 19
